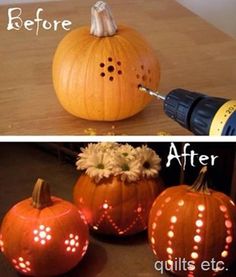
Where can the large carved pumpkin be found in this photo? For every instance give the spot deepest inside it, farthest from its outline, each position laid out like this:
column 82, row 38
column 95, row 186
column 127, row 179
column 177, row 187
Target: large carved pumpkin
column 116, row 207
column 196, row 224
column 43, row 235
column 97, row 70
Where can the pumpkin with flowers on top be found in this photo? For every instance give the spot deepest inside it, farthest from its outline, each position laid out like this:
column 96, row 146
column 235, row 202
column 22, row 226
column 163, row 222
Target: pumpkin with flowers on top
column 117, row 186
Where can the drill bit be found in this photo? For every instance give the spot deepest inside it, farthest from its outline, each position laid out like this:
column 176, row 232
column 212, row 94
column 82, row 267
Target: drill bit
column 151, row 92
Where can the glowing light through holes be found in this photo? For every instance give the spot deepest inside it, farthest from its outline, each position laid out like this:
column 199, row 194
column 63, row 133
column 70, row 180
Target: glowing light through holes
column 159, row 213
column 194, row 255
column 72, row 243
column 169, row 250
column 152, row 240
column 197, row 238
column 1, row 244
column 199, row 223
column 232, row 202
column 85, row 248
column 154, row 225
column 42, row 234
column 21, row 264
column 229, row 239
column 201, row 208
column 105, row 216
column 223, row 208
column 82, row 217
column 139, row 209
column 170, row 233
column 181, row 203
column 173, row 219
column 228, row 225
column 170, row 262
column 191, row 268
column 105, row 206
column 224, row 254
column 167, row 200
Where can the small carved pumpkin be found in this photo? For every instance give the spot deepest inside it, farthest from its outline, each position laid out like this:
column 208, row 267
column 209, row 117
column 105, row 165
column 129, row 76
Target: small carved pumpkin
column 96, row 72
column 116, row 207
column 44, row 235
column 196, row 224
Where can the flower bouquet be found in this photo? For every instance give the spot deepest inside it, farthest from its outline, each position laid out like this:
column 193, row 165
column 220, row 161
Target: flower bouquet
column 117, row 186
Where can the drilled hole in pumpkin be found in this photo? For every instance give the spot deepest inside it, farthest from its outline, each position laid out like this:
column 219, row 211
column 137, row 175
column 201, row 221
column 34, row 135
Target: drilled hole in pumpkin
column 144, row 78
column 111, row 68
column 228, row 224
column 149, row 71
column 201, row 208
column 142, row 66
column 102, row 74
column 102, row 64
column 110, row 59
column 119, row 63
column 119, row 72
column 138, row 76
column 111, row 78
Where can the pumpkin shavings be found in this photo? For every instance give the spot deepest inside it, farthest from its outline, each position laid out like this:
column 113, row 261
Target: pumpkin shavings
column 112, row 132
column 90, row 131
column 163, row 133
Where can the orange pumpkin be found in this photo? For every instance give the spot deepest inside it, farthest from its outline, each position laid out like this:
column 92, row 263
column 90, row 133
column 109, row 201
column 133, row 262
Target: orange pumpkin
column 44, row 235
column 116, row 207
column 97, row 70
column 196, row 224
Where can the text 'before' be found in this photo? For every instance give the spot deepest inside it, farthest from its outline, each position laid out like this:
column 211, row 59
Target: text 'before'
column 15, row 22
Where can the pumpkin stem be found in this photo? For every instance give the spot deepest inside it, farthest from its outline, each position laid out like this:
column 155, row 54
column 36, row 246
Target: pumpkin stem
column 102, row 22
column 41, row 196
column 200, row 184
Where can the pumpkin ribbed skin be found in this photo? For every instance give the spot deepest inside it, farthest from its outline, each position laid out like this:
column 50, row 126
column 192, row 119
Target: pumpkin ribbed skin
column 115, row 207
column 196, row 226
column 34, row 241
column 82, row 59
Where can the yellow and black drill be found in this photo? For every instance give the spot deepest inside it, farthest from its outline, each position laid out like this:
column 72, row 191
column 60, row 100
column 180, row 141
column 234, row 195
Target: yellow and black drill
column 199, row 113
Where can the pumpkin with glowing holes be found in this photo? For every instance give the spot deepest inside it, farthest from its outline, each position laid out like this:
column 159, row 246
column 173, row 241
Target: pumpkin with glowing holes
column 97, row 71
column 116, row 207
column 44, row 235
column 193, row 223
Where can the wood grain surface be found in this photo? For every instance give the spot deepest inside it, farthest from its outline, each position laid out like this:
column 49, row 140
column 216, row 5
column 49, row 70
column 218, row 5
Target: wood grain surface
column 193, row 55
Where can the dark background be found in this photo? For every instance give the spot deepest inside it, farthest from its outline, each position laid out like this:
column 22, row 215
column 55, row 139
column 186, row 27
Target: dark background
column 22, row 163
column 220, row 176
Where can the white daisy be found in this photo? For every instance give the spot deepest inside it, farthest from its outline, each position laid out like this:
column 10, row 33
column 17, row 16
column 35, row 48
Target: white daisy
column 101, row 160
column 128, row 170
column 127, row 151
column 107, row 146
column 150, row 161
column 85, row 155
column 99, row 166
